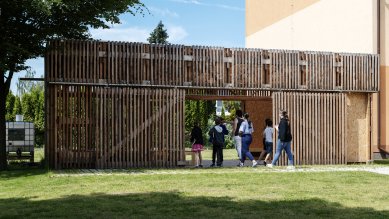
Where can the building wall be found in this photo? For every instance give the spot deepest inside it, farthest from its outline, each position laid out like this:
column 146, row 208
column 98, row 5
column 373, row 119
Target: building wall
column 384, row 83
column 320, row 25
column 327, row 25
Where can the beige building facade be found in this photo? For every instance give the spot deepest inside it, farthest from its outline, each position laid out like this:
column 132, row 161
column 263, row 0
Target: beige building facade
column 344, row 26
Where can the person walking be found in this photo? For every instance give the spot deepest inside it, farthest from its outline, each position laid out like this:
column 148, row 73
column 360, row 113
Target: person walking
column 268, row 142
column 246, row 130
column 196, row 137
column 235, row 133
column 217, row 138
column 284, row 140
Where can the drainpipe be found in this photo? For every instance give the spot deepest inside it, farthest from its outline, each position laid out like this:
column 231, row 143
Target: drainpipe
column 379, row 72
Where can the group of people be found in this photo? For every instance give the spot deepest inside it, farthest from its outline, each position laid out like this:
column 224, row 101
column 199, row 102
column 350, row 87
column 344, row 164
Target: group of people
column 242, row 130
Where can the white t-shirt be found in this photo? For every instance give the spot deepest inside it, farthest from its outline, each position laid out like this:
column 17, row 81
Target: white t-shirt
column 245, row 128
column 268, row 133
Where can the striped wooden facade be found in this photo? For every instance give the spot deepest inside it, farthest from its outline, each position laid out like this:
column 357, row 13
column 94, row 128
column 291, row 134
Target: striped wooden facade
column 95, row 127
column 210, row 67
column 318, row 124
column 120, row 105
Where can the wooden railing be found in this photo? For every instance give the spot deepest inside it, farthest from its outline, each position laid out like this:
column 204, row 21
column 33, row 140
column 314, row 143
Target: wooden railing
column 210, row 67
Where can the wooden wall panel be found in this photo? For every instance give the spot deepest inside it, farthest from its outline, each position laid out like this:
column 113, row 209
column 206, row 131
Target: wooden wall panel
column 318, row 124
column 357, row 127
column 98, row 127
column 210, row 67
column 259, row 111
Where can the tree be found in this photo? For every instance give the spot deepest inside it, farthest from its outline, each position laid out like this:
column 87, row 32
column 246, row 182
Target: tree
column 159, row 35
column 33, row 110
column 9, row 107
column 26, row 86
column 17, row 106
column 26, row 26
column 199, row 111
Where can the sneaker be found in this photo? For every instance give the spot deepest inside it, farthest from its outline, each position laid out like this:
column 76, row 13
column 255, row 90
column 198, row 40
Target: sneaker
column 241, row 164
column 201, row 166
column 270, row 165
column 212, row 165
column 290, row 167
column 221, row 165
column 254, row 163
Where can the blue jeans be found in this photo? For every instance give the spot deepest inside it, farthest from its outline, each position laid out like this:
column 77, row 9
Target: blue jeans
column 286, row 146
column 246, row 141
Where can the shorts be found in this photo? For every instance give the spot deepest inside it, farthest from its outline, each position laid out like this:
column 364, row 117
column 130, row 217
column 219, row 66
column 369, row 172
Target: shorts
column 269, row 147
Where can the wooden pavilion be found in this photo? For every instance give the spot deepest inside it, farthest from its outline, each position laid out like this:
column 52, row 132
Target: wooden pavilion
column 121, row 105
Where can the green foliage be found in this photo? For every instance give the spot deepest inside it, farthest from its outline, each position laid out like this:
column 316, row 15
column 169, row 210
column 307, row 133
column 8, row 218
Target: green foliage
column 9, row 107
column 198, row 111
column 17, row 107
column 231, row 105
column 231, row 117
column 27, row 25
column 229, row 141
column 223, row 113
column 204, row 113
column 201, row 112
column 33, row 110
column 159, row 35
column 32, row 105
column 26, row 86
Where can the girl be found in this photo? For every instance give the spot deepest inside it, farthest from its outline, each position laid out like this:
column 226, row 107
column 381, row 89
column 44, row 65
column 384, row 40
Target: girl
column 197, row 138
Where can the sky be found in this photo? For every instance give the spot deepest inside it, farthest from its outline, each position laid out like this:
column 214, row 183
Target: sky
column 188, row 22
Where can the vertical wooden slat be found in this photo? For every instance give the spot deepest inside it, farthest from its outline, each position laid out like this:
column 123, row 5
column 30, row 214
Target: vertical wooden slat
column 131, row 126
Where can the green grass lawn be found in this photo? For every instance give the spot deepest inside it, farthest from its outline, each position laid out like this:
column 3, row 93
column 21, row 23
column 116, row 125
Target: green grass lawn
column 194, row 193
column 228, row 154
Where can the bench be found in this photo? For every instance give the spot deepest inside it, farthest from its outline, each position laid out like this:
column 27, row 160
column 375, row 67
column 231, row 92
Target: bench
column 185, row 162
column 192, row 162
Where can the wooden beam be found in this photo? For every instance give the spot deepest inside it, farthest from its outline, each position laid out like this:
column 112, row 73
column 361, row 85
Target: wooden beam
column 231, row 98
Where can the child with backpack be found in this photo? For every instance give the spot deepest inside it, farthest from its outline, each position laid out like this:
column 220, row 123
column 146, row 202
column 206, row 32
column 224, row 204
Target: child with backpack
column 216, row 134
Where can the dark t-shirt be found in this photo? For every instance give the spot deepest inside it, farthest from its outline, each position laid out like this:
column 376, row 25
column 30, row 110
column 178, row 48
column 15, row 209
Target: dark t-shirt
column 284, row 133
column 197, row 136
column 236, row 133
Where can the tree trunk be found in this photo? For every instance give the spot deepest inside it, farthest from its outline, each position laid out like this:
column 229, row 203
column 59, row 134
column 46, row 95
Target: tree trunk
column 3, row 153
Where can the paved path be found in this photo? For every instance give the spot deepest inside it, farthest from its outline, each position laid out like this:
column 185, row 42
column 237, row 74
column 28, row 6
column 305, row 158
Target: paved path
column 228, row 167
